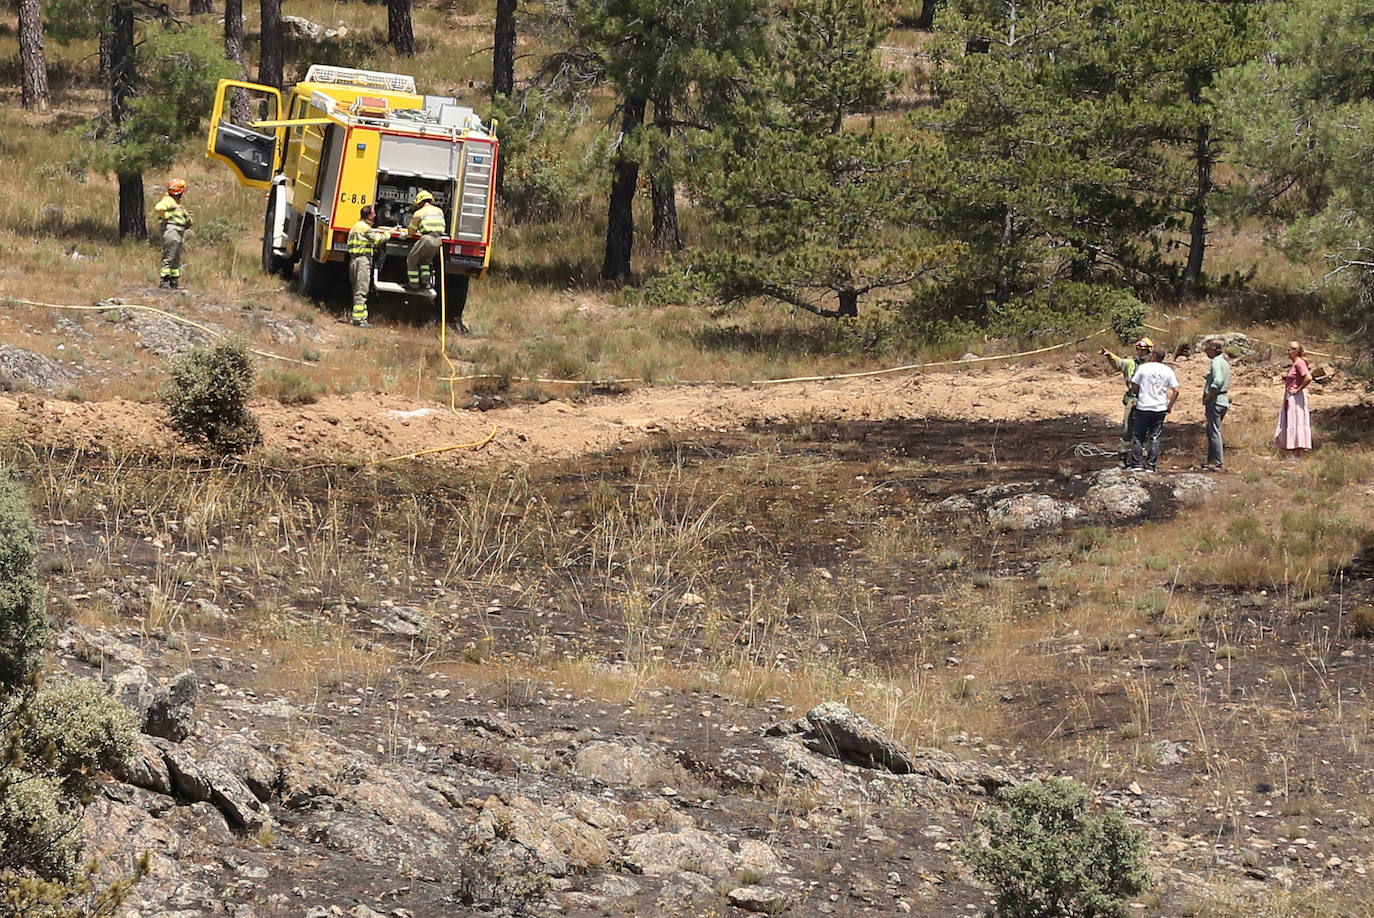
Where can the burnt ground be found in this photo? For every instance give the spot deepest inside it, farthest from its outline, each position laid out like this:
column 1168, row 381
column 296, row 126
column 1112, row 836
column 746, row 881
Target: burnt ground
column 1261, row 702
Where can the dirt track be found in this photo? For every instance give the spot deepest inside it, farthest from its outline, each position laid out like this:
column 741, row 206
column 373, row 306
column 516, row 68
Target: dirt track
column 375, row 426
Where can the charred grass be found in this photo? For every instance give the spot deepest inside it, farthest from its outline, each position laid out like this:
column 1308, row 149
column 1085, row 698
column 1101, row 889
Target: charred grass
column 758, row 574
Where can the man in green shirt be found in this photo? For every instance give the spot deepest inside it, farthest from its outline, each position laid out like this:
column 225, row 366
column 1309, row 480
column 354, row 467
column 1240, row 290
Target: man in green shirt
column 1215, row 400
column 1127, row 366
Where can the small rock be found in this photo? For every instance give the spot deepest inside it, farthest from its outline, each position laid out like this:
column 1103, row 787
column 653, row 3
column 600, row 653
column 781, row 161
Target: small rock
column 762, row 899
column 1030, row 511
column 172, row 713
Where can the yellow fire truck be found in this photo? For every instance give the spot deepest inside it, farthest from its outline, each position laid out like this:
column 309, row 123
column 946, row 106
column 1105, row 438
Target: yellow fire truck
column 344, row 138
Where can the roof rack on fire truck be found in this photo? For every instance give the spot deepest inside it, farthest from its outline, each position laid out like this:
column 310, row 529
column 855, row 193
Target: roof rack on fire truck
column 369, row 79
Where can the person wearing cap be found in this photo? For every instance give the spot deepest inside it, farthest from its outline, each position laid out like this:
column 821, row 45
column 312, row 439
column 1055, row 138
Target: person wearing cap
column 427, row 225
column 1156, row 390
column 1127, row 366
column 176, row 220
column 1215, row 400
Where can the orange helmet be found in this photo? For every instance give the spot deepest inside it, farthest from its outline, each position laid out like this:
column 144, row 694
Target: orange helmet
column 176, row 186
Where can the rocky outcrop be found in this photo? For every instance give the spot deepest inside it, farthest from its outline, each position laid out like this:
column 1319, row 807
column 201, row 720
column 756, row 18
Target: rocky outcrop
column 1030, row 511
column 838, row 732
column 171, row 714
column 165, row 711
column 628, row 766
column 1120, row 500
column 1192, row 488
column 23, row 370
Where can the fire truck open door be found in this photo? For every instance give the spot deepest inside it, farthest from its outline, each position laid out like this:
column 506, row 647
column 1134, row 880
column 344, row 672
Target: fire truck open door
column 245, row 132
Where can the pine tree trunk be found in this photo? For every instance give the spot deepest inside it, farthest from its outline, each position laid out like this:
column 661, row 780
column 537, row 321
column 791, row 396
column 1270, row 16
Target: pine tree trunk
column 503, row 49
column 400, row 31
column 240, row 112
column 233, row 32
column 120, row 61
column 131, row 217
column 1203, row 159
column 1006, row 267
column 33, row 64
column 667, row 232
column 620, row 217
column 926, row 21
column 503, row 68
column 106, row 43
column 272, row 61
column 199, row 7
column 849, row 304
column 122, row 75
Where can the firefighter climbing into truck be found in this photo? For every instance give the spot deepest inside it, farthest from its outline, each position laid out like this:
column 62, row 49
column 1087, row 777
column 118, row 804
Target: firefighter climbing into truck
column 343, row 138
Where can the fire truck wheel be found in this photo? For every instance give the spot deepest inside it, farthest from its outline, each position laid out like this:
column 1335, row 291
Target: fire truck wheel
column 312, row 277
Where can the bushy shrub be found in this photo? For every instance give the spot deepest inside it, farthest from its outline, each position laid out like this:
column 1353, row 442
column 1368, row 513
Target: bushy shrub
column 1061, row 309
column 1046, row 854
column 1128, row 316
column 207, row 398
column 23, row 621
column 57, row 737
column 74, row 731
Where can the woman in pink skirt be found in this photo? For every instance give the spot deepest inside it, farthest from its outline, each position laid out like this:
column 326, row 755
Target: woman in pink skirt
column 1294, row 432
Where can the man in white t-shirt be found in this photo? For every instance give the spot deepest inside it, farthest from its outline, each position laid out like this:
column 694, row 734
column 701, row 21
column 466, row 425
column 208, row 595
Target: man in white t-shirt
column 1156, row 389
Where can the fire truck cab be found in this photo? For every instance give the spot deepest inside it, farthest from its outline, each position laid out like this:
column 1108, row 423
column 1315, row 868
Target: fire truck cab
column 343, row 138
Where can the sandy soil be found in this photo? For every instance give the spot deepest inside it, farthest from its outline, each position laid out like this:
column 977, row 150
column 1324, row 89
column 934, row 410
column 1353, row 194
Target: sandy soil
column 377, row 426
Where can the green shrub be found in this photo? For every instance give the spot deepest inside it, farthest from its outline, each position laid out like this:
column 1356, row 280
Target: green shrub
column 1128, row 316
column 74, row 731
column 1047, row 855
column 23, row 621
column 57, row 737
column 207, row 398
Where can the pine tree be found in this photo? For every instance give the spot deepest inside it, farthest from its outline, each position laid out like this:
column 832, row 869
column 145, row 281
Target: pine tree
column 157, row 98
column 400, row 30
column 1054, row 166
column 823, row 208
column 1304, row 116
column 689, row 53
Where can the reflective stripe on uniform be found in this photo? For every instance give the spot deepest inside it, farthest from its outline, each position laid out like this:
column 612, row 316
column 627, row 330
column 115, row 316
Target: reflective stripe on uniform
column 360, row 239
column 171, row 212
column 431, row 220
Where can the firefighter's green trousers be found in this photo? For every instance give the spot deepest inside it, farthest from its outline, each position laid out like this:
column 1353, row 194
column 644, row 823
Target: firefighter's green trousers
column 173, row 244
column 420, row 261
column 360, row 273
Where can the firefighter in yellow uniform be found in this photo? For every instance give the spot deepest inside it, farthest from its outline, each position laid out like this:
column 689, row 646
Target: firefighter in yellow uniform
column 362, row 240
column 176, row 220
column 427, row 226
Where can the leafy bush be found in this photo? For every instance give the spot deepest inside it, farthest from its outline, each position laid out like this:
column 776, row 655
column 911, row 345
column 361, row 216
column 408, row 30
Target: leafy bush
column 207, row 398
column 57, row 737
column 1128, row 317
column 23, row 621
column 1061, row 309
column 1047, row 855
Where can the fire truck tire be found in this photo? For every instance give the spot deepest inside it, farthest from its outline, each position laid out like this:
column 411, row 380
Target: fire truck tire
column 312, row 279
column 272, row 263
column 455, row 297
